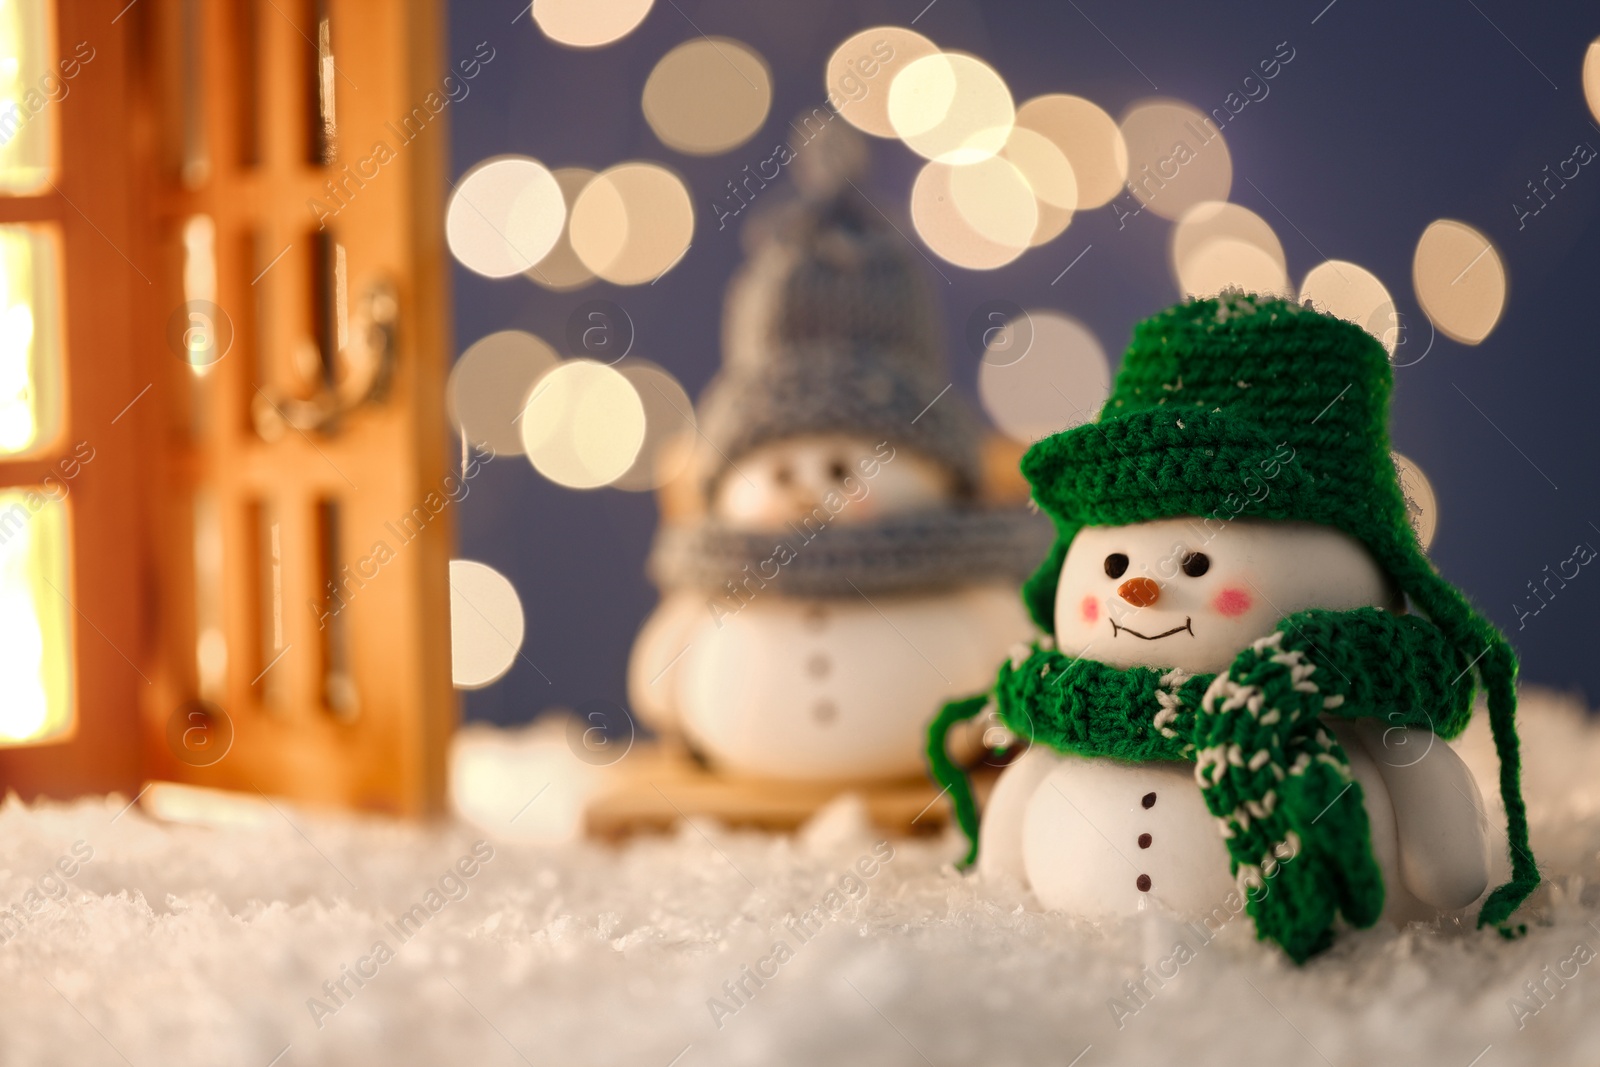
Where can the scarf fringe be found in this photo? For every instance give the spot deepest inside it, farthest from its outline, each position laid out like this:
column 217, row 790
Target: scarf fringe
column 1365, row 648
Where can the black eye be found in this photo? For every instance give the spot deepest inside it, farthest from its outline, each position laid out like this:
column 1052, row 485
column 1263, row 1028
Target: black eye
column 1196, row 563
column 1116, row 565
column 837, row 470
column 783, row 475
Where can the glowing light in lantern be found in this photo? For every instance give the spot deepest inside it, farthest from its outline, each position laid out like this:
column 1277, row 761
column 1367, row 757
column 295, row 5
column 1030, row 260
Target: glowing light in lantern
column 30, row 356
column 35, row 630
column 17, row 425
column 27, row 64
column 27, row 705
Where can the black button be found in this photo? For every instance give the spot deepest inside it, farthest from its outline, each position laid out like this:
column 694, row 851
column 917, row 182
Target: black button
column 1144, row 840
column 1149, row 800
column 1143, row 883
column 824, row 711
column 818, row 665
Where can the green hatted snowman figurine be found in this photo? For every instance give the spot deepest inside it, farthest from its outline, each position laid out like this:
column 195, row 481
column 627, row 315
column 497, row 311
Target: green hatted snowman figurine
column 1249, row 663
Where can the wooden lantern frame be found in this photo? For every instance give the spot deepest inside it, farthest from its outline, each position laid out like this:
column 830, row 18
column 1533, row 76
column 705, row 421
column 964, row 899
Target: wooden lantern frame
column 199, row 528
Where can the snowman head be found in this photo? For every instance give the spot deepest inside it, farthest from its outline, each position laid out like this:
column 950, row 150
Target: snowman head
column 851, row 479
column 1187, row 593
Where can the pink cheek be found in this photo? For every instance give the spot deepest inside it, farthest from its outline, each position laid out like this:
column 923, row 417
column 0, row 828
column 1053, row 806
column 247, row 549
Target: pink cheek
column 1232, row 602
column 1091, row 609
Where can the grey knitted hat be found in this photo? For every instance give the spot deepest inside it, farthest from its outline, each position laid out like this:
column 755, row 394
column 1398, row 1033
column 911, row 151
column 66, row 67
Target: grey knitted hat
column 830, row 327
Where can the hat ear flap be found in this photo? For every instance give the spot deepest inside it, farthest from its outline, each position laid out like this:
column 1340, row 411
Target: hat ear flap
column 1496, row 665
column 1039, row 591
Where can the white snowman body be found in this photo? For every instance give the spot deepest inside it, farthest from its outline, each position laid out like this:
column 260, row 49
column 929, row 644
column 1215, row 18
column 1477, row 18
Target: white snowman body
column 827, row 689
column 1101, row 838
column 819, row 689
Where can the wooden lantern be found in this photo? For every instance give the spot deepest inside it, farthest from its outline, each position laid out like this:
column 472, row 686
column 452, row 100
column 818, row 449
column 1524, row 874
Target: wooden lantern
column 253, row 342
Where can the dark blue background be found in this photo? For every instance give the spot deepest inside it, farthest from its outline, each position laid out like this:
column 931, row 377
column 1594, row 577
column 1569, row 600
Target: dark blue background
column 1389, row 117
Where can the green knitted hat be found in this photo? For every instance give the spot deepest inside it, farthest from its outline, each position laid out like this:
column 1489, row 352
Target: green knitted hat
column 1251, row 406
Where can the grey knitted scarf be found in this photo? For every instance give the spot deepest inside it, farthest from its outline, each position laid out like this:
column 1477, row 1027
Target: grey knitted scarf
column 902, row 554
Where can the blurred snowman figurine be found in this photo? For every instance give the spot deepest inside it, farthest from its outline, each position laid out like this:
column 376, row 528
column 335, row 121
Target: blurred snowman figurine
column 844, row 579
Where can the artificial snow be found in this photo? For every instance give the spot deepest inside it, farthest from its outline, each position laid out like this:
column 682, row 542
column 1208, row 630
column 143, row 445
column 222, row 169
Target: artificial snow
column 315, row 938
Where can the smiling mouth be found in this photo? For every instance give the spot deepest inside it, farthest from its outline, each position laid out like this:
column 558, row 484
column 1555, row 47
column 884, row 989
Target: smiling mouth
column 1116, row 628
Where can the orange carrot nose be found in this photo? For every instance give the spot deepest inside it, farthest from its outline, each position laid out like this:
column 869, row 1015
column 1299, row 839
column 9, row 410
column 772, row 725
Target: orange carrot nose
column 1140, row 592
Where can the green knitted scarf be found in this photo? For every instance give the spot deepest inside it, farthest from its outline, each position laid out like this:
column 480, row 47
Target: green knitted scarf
column 1279, row 785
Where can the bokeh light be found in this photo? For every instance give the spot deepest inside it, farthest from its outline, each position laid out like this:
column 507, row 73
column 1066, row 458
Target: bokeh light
column 1460, row 280
column 589, row 23
column 632, row 222
column 1087, row 136
column 669, row 427
column 1217, row 218
column 486, row 624
column 1351, row 292
column 1216, row 244
column 504, row 216
column 998, row 198
column 1591, row 77
column 995, row 199
column 951, row 107
column 489, row 384
column 1222, row 262
column 1422, row 506
column 1061, row 380
column 1174, row 160
column 1044, row 167
column 583, row 424
column 561, row 269
column 491, row 768
column 707, row 95
column 861, row 70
